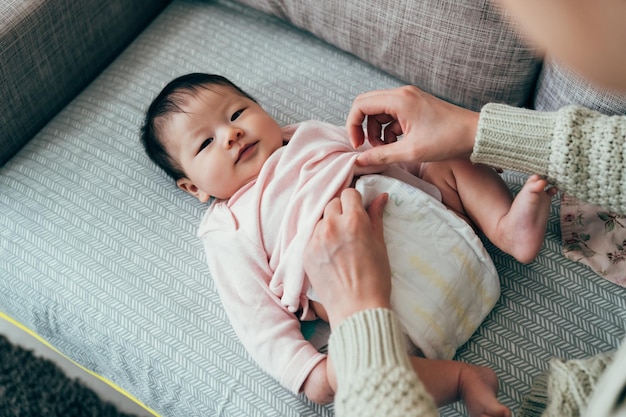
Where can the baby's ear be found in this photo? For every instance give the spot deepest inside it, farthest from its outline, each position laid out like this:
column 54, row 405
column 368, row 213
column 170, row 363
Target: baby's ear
column 187, row 186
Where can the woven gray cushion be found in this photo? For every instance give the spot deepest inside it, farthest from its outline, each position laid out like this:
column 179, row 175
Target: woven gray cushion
column 464, row 52
column 559, row 86
column 50, row 50
column 98, row 252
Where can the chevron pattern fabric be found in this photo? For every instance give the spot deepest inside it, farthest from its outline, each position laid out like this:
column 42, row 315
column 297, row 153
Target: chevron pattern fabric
column 98, row 252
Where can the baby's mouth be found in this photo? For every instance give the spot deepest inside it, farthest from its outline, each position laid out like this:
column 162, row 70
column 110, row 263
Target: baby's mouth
column 245, row 151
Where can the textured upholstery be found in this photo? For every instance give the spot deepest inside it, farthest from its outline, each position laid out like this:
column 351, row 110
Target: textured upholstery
column 559, row 86
column 98, row 252
column 51, row 49
column 464, row 52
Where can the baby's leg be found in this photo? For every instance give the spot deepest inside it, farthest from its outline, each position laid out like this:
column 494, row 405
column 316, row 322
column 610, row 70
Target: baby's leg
column 477, row 191
column 450, row 381
column 521, row 231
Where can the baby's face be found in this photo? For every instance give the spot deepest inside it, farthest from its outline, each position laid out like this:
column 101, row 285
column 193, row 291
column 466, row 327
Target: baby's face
column 221, row 141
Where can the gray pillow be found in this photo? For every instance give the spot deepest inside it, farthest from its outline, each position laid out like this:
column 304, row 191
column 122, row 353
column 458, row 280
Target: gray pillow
column 49, row 51
column 464, row 52
column 559, row 86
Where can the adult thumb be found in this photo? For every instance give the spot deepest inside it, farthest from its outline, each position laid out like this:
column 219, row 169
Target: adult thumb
column 382, row 155
column 375, row 212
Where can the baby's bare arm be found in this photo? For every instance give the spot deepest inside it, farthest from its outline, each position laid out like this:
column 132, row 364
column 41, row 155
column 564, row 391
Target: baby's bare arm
column 316, row 386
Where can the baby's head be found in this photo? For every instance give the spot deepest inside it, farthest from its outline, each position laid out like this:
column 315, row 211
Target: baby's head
column 210, row 136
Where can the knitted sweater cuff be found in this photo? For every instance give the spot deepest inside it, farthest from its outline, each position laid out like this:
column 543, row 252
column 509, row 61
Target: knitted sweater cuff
column 374, row 374
column 367, row 339
column 515, row 138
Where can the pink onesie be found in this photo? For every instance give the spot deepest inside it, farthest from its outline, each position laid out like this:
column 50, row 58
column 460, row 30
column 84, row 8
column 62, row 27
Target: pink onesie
column 254, row 243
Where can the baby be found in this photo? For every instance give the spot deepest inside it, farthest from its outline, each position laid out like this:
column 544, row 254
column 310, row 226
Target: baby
column 270, row 186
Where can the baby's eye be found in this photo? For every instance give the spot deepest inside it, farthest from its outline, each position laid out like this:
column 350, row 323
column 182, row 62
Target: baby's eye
column 236, row 115
column 205, row 143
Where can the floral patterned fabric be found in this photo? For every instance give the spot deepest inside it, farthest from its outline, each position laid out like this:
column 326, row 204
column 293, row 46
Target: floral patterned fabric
column 595, row 237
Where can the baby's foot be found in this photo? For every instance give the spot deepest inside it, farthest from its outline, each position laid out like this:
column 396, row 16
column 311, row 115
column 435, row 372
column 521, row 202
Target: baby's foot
column 524, row 226
column 479, row 389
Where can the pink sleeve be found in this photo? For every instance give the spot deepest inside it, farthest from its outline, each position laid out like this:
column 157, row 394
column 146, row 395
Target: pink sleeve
column 269, row 332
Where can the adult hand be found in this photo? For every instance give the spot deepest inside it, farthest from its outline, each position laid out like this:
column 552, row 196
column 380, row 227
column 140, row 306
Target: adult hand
column 433, row 129
column 346, row 259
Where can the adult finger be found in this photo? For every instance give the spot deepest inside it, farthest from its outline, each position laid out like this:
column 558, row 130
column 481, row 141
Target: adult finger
column 375, row 212
column 351, row 201
column 355, row 132
column 364, row 104
column 333, row 207
column 387, row 154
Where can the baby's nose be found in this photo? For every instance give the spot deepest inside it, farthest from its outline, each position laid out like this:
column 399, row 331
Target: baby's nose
column 233, row 135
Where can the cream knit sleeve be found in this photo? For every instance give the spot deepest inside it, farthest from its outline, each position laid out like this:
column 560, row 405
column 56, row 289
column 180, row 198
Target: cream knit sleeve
column 374, row 375
column 580, row 151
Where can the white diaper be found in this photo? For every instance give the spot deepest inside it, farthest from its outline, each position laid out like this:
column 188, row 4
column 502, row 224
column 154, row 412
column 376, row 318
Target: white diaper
column 443, row 281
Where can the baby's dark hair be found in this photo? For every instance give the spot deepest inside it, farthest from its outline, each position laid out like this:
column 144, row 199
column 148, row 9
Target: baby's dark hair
column 169, row 102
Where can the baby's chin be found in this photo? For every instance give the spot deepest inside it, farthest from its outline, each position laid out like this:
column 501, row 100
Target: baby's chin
column 228, row 194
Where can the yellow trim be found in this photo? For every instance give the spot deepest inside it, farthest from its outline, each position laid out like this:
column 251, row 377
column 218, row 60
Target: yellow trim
column 101, row 378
